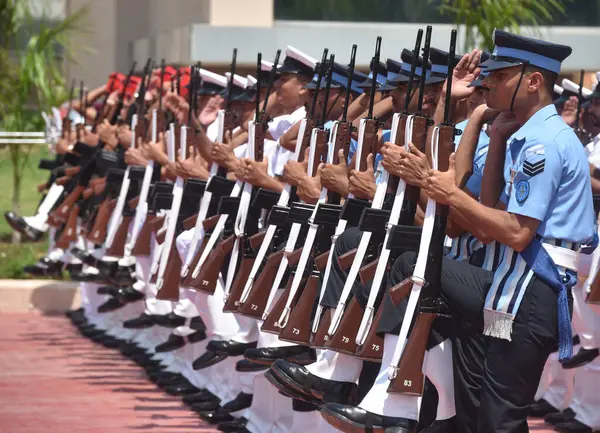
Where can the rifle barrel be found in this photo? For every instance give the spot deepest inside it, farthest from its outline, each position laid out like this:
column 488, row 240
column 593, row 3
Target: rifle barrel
column 327, row 88
column 230, row 87
column 580, row 97
column 258, row 70
column 449, row 79
column 349, row 85
column 271, row 81
column 319, row 78
column 375, row 71
column 413, row 69
column 425, row 67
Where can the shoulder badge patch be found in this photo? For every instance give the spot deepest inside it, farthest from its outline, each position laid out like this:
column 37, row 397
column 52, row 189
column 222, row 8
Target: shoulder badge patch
column 522, row 191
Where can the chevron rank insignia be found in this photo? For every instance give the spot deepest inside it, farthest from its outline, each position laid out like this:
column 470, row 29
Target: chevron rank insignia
column 534, row 165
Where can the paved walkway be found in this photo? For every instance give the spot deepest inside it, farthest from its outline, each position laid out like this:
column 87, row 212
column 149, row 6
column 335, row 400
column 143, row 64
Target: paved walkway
column 53, row 380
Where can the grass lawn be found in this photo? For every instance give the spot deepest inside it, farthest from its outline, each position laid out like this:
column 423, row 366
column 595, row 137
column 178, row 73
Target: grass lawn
column 14, row 257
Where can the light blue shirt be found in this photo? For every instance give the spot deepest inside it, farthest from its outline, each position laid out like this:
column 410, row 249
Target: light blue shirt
column 548, row 178
column 479, row 157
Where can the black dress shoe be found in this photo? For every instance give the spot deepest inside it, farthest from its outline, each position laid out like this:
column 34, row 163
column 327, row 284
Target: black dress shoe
column 541, row 408
column 165, row 381
column 110, row 342
column 216, row 417
column 354, row 419
column 207, row 359
column 20, row 225
column 45, row 268
column 298, row 379
column 582, row 357
column 181, row 390
column 73, row 267
column 443, row 426
column 160, row 319
column 230, row 348
column 244, row 365
column 124, row 296
column 202, row 395
column 196, row 337
column 107, row 290
column 143, row 321
column 565, row 416
column 124, row 275
column 174, row 342
column 170, row 320
column 84, row 256
column 234, row 426
column 300, row 355
column 573, row 427
column 240, row 402
column 206, row 406
column 197, row 324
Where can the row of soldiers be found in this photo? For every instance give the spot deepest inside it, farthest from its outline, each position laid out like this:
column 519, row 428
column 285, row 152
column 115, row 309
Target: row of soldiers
column 313, row 247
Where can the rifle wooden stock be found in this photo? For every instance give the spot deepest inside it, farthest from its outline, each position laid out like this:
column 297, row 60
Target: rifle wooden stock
column 256, row 239
column 319, row 338
column 189, row 280
column 156, row 223
column 69, row 233
column 294, row 257
column 190, row 222
column 320, row 148
column 344, row 339
column 298, row 329
column 62, row 213
column 142, row 243
column 345, row 260
column 594, row 296
column 117, row 248
column 372, row 348
column 160, row 236
column 170, row 287
column 370, row 143
column 63, row 180
column 237, row 286
column 410, row 379
column 259, row 294
column 419, row 137
column 98, row 232
column 72, row 171
column 209, row 273
column 321, row 261
column 367, row 272
column 87, row 193
column 52, row 221
column 270, row 324
column 210, row 223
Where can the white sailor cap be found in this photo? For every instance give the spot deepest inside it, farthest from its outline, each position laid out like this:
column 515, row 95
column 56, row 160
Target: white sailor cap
column 572, row 87
column 211, row 83
column 238, row 80
column 250, row 81
column 296, row 62
column 558, row 90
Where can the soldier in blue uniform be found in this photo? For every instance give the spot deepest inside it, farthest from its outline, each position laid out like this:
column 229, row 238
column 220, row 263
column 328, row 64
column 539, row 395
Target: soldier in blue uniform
column 542, row 214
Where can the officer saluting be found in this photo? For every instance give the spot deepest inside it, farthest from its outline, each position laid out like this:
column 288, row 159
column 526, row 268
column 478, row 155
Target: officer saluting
column 546, row 199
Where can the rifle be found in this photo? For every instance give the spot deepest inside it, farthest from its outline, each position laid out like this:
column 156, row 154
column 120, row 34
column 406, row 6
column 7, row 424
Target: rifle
column 221, row 187
column 248, row 239
column 260, row 289
column 168, row 280
column 281, row 316
column 66, row 122
column 406, row 368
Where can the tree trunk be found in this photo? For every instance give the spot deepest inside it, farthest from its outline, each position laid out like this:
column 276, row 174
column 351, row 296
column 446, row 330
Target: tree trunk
column 16, row 193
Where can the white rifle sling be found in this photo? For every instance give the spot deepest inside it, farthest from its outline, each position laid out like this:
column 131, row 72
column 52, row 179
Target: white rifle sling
column 175, row 205
column 418, row 277
column 117, row 215
column 204, row 205
column 142, row 207
column 362, row 247
column 384, row 256
column 240, row 219
column 284, row 198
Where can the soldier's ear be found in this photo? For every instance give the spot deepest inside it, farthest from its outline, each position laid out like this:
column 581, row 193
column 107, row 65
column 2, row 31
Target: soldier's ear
column 536, row 81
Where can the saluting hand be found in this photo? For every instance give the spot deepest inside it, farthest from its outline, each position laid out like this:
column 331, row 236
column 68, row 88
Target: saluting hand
column 362, row 183
column 440, row 185
column 463, row 74
column 569, row 113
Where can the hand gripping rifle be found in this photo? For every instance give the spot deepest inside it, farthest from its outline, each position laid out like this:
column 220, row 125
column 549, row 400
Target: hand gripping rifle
column 344, row 328
column 263, row 281
column 302, row 289
column 406, row 368
column 246, row 224
column 217, row 187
